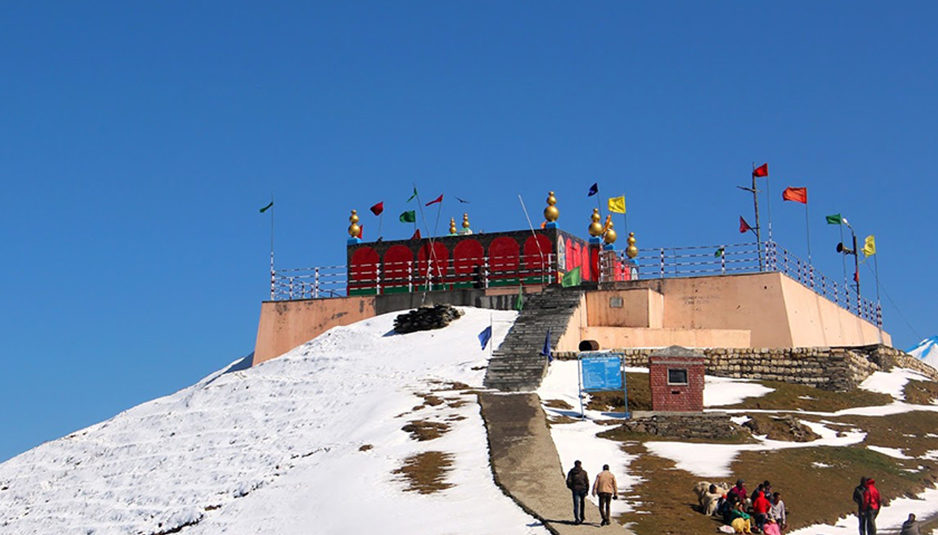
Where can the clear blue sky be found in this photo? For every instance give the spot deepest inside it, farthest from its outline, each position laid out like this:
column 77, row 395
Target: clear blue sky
column 138, row 141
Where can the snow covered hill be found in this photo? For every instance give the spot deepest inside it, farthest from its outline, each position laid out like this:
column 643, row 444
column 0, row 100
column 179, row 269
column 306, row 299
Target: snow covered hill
column 307, row 443
column 926, row 351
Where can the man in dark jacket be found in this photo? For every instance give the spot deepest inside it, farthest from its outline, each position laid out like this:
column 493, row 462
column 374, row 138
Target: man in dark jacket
column 578, row 483
column 910, row 526
column 858, row 499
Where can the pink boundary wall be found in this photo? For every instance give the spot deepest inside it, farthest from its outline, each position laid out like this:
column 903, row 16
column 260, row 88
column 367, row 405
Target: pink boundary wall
column 763, row 310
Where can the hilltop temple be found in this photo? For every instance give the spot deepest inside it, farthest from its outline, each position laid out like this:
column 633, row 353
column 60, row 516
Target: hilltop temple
column 753, row 295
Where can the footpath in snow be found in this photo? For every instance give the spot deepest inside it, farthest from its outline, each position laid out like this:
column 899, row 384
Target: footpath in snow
column 306, row 443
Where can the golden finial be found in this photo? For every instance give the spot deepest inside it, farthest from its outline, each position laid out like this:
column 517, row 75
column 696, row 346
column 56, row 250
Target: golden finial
column 354, row 230
column 631, row 251
column 595, row 229
column 465, row 224
column 551, row 213
column 609, row 233
column 452, row 226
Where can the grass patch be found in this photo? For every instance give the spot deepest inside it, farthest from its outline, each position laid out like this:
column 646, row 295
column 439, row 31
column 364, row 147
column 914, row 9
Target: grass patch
column 365, row 447
column 921, row 392
column 783, row 427
column 558, row 404
column 906, row 431
column 561, row 419
column 793, row 397
column 426, row 472
column 639, row 396
column 664, row 499
column 422, row 430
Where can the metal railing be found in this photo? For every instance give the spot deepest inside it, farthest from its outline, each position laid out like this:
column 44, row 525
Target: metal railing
column 410, row 276
column 485, row 272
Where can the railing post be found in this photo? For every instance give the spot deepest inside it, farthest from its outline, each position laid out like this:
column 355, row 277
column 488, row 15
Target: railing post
column 377, row 279
column 316, row 282
column 410, row 275
column 273, row 283
column 723, row 262
column 879, row 316
column 662, row 262
column 485, row 272
column 429, row 274
column 290, row 287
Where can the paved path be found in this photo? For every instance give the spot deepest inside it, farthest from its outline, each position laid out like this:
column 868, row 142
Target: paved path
column 526, row 464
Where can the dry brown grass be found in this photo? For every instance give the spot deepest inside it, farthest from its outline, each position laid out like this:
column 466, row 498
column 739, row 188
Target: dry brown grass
column 793, row 397
column 422, row 430
column 639, row 396
column 558, row 404
column 921, row 392
column 426, row 472
column 780, row 428
column 906, row 431
column 365, row 447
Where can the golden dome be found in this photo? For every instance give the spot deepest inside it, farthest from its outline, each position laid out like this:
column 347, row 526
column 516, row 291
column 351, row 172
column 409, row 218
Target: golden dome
column 353, row 229
column 551, row 213
column 595, row 228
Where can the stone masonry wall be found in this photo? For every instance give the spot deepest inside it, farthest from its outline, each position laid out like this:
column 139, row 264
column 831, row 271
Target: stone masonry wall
column 828, row 368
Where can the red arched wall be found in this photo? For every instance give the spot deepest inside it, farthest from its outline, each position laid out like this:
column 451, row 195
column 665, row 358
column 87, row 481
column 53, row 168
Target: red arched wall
column 534, row 263
column 503, row 258
column 467, row 254
column 440, row 259
column 397, row 260
column 364, row 268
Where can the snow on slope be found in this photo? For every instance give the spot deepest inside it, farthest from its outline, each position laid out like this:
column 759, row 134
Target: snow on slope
column 275, row 449
column 926, row 351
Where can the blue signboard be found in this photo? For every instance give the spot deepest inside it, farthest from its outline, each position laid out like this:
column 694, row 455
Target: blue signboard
column 601, row 373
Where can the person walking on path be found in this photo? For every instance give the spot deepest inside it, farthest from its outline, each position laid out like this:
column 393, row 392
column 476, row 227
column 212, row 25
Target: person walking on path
column 858, row 499
column 579, row 484
column 870, row 507
column 910, row 526
column 605, row 485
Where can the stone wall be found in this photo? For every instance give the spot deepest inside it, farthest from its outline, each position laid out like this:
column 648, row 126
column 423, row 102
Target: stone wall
column 709, row 426
column 828, row 368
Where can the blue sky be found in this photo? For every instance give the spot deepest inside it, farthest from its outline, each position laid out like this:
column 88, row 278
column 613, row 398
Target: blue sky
column 140, row 139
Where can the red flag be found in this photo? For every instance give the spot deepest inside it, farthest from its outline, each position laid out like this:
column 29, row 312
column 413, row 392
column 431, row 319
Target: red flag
column 361, row 232
column 762, row 170
column 856, row 276
column 416, row 235
column 795, row 194
column 743, row 226
column 434, row 201
column 378, row 208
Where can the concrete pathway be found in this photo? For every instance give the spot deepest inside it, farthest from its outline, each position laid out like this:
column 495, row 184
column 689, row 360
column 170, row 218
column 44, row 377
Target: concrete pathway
column 526, row 465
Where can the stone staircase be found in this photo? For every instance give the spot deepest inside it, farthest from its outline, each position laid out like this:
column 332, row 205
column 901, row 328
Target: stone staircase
column 517, row 365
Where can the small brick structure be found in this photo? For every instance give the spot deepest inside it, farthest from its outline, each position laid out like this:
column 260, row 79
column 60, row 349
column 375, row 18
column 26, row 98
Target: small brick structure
column 676, row 378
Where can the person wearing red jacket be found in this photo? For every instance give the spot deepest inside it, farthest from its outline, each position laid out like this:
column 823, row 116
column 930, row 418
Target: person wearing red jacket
column 869, row 508
column 760, row 509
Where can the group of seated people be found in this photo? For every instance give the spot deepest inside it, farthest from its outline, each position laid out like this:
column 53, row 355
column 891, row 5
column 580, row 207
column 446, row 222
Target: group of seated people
column 763, row 511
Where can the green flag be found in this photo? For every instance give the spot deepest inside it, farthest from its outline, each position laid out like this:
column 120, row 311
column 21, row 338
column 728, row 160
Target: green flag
column 834, row 219
column 571, row 278
column 720, row 252
column 519, row 303
column 409, row 216
column 412, row 196
column 264, row 209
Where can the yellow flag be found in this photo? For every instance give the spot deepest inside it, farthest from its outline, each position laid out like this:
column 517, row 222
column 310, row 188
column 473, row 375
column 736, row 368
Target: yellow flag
column 617, row 204
column 869, row 246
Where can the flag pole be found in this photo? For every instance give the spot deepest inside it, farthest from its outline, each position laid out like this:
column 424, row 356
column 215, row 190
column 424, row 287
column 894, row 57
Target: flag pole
column 807, row 226
column 843, row 258
column 768, row 204
column 755, row 205
column 272, row 272
column 879, row 324
column 534, row 234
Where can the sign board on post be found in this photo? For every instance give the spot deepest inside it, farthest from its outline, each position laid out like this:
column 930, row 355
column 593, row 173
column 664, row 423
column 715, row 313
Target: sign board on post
column 602, row 372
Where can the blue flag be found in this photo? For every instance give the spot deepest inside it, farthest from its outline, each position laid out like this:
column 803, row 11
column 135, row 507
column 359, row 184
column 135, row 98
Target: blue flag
column 594, row 189
column 485, row 336
column 546, row 351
